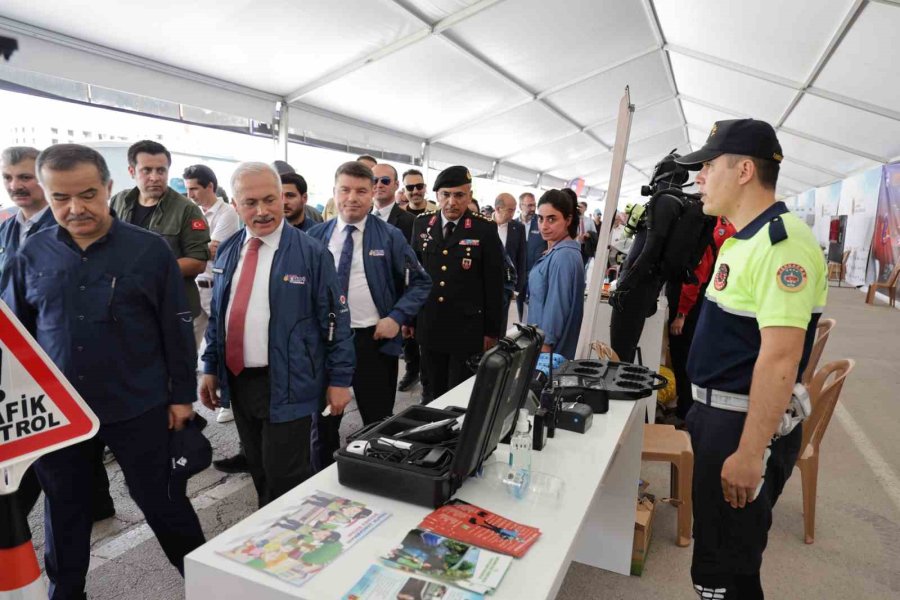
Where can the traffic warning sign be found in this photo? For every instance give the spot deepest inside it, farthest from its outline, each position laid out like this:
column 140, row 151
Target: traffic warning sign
column 40, row 411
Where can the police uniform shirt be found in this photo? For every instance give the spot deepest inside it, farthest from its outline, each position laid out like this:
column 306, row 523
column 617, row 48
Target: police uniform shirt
column 363, row 312
column 256, row 326
column 769, row 274
column 25, row 225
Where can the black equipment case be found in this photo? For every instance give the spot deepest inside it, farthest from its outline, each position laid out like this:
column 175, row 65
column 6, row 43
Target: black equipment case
column 597, row 381
column 501, row 384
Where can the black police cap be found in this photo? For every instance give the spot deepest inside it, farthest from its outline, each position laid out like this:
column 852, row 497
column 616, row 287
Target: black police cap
column 747, row 137
column 452, row 177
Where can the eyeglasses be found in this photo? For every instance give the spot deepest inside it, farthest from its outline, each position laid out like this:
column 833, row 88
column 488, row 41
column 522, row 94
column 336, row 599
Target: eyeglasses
column 415, row 186
column 382, row 180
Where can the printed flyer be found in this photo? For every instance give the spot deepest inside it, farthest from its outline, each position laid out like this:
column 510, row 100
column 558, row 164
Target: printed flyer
column 448, row 560
column 474, row 525
column 382, row 584
column 307, row 538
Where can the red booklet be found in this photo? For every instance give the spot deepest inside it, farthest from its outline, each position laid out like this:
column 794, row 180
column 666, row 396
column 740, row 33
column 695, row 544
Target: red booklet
column 474, row 525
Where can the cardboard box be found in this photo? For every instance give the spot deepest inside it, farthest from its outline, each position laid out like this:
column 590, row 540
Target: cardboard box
column 643, row 523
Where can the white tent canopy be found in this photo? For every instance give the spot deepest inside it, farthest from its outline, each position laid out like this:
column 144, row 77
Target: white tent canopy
column 519, row 89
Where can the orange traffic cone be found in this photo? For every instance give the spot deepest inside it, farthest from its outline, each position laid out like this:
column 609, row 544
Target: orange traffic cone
column 20, row 576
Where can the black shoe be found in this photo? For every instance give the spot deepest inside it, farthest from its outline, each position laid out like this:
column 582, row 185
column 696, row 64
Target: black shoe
column 409, row 380
column 232, row 464
column 104, row 511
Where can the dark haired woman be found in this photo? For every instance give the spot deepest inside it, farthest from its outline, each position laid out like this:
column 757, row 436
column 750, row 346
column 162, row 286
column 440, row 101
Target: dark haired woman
column 556, row 283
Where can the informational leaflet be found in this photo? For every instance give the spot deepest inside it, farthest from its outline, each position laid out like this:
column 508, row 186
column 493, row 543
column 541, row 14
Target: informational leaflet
column 449, row 560
column 474, row 525
column 308, row 537
column 379, row 584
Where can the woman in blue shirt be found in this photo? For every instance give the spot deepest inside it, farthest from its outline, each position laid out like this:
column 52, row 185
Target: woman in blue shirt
column 556, row 283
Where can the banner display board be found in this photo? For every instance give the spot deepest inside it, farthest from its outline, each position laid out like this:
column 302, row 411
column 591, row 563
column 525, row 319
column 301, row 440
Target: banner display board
column 886, row 238
column 859, row 201
column 826, row 201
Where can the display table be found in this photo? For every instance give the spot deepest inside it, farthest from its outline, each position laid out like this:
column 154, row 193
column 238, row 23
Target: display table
column 592, row 523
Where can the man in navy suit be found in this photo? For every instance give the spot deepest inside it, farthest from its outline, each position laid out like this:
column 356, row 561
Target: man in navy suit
column 534, row 243
column 512, row 235
column 385, row 287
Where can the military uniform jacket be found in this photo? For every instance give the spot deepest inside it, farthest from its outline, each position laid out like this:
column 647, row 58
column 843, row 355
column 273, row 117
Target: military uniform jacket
column 180, row 222
column 467, row 274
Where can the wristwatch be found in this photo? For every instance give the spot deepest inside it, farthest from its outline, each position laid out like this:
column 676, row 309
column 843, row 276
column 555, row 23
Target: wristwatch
column 680, row 316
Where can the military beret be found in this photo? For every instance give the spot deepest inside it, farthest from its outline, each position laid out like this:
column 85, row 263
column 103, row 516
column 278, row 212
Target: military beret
column 452, row 177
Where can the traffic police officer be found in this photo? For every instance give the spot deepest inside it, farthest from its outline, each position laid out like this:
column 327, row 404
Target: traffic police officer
column 752, row 343
column 462, row 253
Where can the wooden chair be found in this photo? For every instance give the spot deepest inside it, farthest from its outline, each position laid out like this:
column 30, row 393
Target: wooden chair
column 836, row 271
column 822, row 332
column 664, row 443
column 890, row 285
column 824, row 398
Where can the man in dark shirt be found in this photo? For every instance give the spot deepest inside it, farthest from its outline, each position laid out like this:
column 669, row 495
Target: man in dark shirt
column 153, row 205
column 293, row 192
column 88, row 290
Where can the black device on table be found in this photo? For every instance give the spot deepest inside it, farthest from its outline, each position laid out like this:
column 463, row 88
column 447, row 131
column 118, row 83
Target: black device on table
column 595, row 382
column 419, row 456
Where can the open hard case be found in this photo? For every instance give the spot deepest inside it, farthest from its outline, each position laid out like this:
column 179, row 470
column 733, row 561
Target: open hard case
column 501, row 385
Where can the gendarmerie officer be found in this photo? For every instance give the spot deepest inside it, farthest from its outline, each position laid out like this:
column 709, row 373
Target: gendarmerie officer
column 462, row 253
column 752, row 343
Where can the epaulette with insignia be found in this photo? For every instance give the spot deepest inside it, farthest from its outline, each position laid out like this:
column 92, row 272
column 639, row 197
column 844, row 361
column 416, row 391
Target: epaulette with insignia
column 427, row 213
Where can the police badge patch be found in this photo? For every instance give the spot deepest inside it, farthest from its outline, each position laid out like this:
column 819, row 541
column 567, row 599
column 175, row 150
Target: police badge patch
column 791, row 277
column 721, row 278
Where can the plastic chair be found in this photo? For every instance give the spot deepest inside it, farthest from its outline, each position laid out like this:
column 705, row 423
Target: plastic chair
column 890, row 285
column 824, row 398
column 664, row 443
column 822, row 331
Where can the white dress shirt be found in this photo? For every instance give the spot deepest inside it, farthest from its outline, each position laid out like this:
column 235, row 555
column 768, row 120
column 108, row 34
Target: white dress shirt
column 223, row 222
column 256, row 327
column 527, row 225
column 384, row 213
column 26, row 225
column 503, row 231
column 363, row 312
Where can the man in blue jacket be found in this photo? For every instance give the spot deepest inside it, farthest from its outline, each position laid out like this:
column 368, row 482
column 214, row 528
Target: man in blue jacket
column 278, row 344
column 385, row 287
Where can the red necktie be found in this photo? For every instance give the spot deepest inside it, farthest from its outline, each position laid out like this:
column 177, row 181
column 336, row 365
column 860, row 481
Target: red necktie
column 234, row 337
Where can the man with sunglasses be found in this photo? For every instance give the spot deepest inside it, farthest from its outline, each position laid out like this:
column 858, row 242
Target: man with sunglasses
column 385, row 186
column 414, row 184
column 462, row 253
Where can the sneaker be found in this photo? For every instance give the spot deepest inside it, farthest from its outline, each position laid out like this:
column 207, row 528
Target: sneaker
column 409, row 380
column 232, row 464
column 224, row 415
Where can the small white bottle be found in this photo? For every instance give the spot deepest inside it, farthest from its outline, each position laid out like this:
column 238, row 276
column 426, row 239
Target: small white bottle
column 520, row 457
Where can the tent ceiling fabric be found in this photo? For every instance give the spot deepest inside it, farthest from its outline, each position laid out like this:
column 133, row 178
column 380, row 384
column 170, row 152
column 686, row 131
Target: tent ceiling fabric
column 532, row 84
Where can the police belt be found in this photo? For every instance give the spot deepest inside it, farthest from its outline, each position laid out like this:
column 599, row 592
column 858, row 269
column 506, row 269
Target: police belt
column 723, row 400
